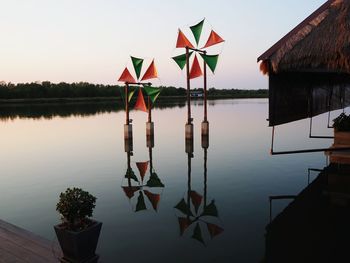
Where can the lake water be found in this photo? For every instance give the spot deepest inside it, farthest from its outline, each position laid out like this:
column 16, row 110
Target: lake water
column 44, row 151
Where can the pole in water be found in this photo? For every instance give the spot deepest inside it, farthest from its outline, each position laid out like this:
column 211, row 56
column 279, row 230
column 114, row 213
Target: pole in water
column 127, row 126
column 189, row 125
column 205, row 123
column 150, row 125
column 189, row 119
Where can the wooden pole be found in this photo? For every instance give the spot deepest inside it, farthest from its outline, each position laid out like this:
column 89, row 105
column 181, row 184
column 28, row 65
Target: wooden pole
column 127, row 103
column 205, row 175
column 150, row 160
column 129, row 168
column 189, row 156
column 189, row 120
column 149, row 102
column 205, row 90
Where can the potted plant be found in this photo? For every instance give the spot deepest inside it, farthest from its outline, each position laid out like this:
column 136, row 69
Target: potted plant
column 77, row 234
column 341, row 126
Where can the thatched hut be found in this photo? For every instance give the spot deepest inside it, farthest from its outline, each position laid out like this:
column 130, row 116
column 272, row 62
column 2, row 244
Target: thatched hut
column 309, row 68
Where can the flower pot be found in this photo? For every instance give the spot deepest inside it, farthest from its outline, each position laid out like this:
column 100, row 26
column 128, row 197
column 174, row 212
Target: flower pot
column 79, row 246
column 341, row 138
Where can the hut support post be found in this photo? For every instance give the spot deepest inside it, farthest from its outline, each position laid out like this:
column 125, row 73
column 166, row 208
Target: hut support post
column 317, row 136
column 329, row 108
column 205, row 123
column 189, row 125
column 127, row 126
column 310, row 102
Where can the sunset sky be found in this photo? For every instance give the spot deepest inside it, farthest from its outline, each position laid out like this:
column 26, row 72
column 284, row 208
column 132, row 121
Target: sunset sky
column 90, row 40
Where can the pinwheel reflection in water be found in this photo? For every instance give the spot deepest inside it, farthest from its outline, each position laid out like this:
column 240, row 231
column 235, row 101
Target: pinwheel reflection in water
column 193, row 212
column 183, row 60
column 136, row 189
column 131, row 85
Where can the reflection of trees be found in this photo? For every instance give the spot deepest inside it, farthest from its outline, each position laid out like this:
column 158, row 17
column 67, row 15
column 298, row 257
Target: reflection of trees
column 194, row 213
column 137, row 189
column 79, row 109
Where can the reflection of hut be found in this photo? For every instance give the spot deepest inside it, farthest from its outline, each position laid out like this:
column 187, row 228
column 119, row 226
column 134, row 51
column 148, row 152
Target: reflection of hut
column 315, row 226
column 309, row 68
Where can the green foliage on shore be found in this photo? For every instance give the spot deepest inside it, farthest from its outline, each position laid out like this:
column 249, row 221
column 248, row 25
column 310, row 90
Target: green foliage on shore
column 48, row 90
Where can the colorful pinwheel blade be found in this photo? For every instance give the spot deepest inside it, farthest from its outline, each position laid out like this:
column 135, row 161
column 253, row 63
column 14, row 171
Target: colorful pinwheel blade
column 181, row 60
column 182, row 41
column 211, row 61
column 197, row 30
column 213, row 39
column 126, row 77
column 140, row 102
column 137, row 63
column 152, row 92
column 151, row 72
column 196, row 70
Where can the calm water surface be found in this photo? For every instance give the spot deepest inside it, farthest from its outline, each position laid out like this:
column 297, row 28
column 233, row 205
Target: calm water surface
column 41, row 157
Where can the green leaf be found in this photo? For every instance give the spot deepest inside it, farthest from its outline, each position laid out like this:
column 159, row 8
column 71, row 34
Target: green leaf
column 197, row 234
column 210, row 210
column 140, row 203
column 181, row 60
column 183, row 207
column 197, row 30
column 154, row 181
column 211, row 61
column 137, row 63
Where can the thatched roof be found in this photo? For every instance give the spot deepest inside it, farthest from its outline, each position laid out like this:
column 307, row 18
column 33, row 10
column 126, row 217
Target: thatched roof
column 321, row 43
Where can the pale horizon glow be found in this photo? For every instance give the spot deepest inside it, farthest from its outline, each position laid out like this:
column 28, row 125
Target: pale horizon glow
column 91, row 40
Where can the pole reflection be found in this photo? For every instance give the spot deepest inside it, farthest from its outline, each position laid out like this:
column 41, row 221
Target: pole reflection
column 198, row 218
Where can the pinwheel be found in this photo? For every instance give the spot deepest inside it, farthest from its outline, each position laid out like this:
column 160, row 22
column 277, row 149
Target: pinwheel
column 139, row 81
column 195, row 71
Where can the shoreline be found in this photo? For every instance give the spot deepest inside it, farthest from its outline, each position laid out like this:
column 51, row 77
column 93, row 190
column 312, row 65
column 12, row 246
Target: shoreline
column 85, row 100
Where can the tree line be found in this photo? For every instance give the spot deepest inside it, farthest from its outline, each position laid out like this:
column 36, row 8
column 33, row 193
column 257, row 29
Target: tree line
column 46, row 89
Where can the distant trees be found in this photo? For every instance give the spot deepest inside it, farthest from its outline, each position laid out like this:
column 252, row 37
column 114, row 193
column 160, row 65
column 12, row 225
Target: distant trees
column 46, row 89
column 238, row 93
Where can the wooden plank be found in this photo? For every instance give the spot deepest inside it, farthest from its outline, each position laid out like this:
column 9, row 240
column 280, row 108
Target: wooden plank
column 24, row 244
column 22, row 254
column 8, row 257
column 19, row 245
column 25, row 234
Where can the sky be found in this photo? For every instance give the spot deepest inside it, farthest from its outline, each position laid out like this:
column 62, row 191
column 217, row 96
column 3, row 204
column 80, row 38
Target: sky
column 91, row 40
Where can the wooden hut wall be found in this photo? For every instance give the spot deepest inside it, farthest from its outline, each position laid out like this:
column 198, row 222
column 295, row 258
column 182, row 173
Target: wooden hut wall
column 296, row 96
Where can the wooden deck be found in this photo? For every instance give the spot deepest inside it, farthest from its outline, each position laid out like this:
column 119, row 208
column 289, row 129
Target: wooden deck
column 19, row 245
